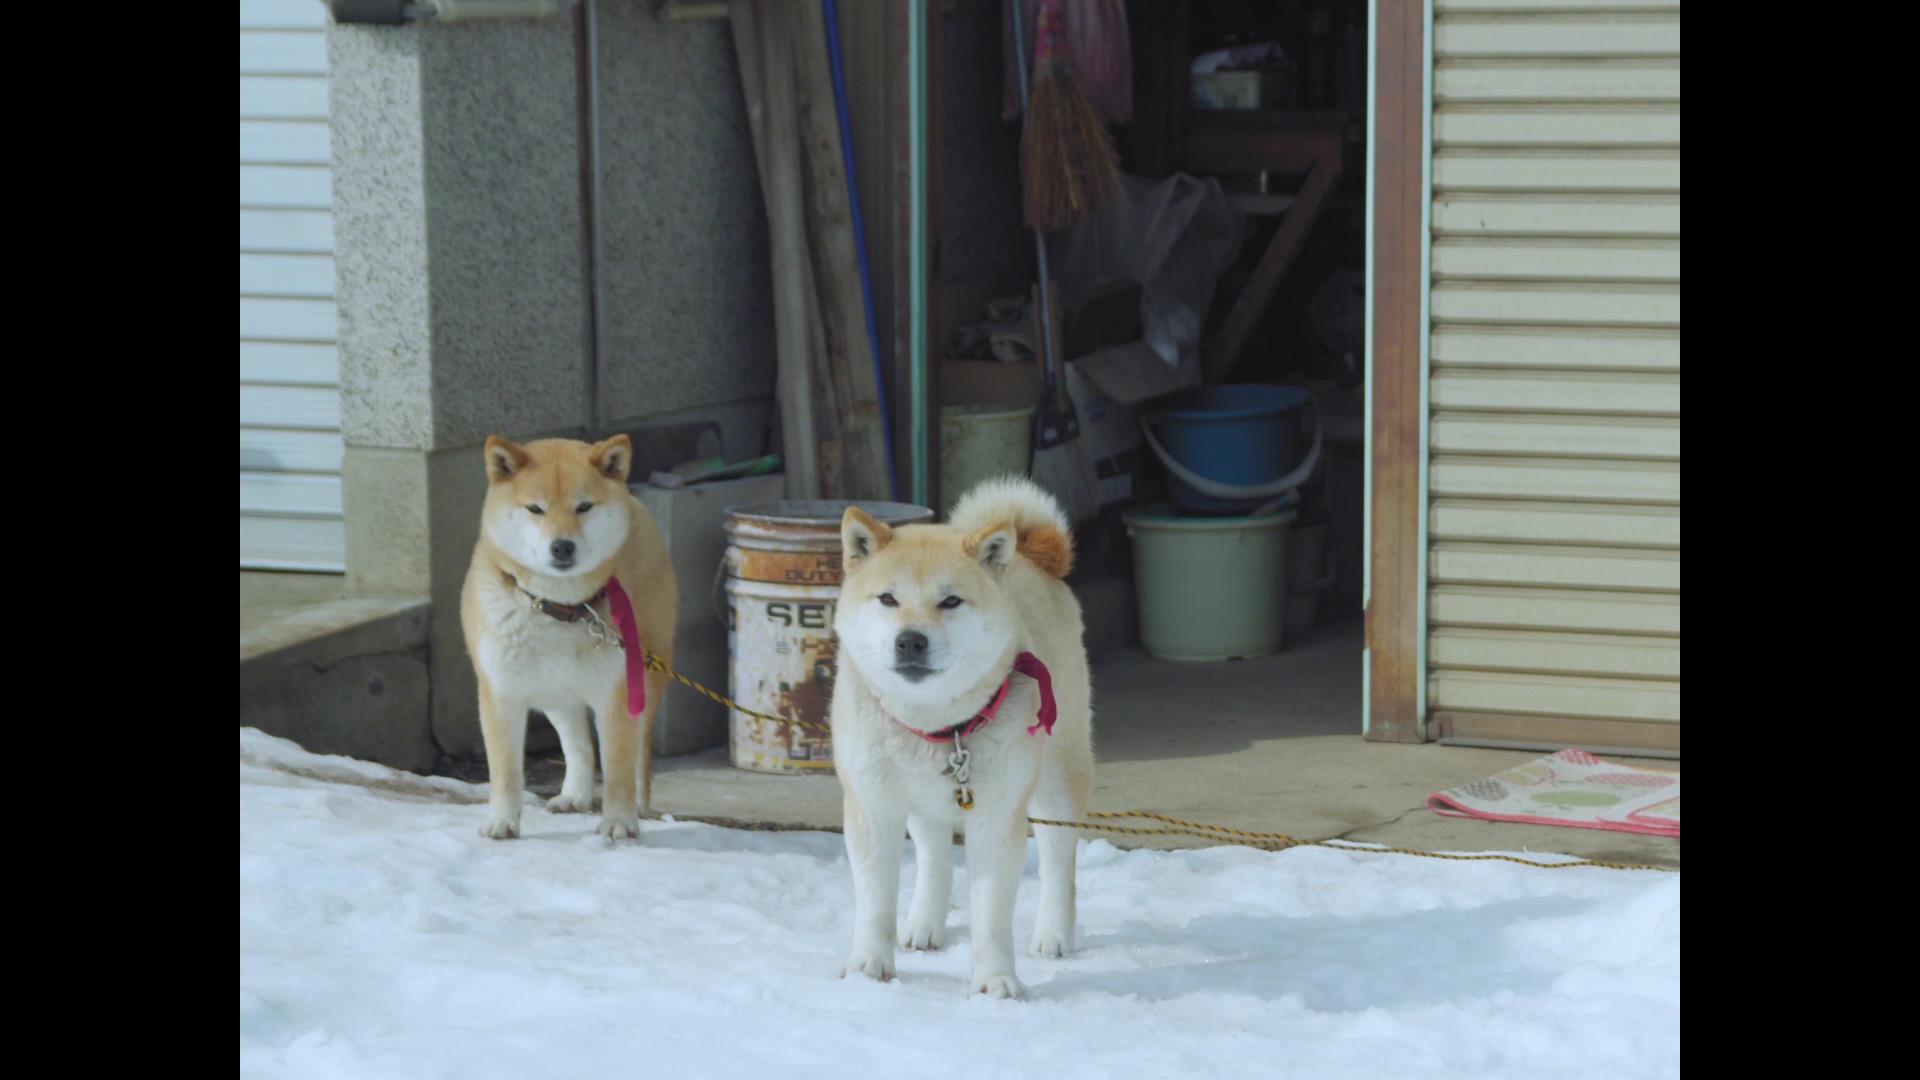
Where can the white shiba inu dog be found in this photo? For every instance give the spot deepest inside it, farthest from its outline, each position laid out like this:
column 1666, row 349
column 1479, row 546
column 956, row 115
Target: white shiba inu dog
column 558, row 523
column 933, row 728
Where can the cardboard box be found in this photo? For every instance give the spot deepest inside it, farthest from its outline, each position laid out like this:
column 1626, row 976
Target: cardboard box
column 1235, row 90
column 1108, row 388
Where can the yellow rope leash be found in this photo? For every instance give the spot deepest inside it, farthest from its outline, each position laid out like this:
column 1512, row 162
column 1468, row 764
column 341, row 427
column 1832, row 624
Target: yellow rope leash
column 1173, row 826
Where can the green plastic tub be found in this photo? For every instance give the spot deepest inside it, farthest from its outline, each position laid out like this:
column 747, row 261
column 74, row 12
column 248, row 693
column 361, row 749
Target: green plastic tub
column 981, row 442
column 1210, row 588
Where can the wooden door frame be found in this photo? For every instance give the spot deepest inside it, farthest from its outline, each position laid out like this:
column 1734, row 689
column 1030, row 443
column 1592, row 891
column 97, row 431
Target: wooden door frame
column 1399, row 194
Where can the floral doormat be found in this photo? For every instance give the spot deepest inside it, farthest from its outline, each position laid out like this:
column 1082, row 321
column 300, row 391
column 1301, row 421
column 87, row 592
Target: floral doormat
column 1575, row 789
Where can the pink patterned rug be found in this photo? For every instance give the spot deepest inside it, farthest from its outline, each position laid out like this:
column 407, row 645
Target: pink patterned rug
column 1575, row 789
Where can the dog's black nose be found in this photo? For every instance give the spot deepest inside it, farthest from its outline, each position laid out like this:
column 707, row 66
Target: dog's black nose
column 562, row 549
column 910, row 647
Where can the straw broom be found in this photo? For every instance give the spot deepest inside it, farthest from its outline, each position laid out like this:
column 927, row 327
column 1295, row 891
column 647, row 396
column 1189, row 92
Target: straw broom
column 1068, row 165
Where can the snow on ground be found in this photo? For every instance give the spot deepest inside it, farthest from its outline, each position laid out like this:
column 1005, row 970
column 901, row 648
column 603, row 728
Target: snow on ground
column 381, row 936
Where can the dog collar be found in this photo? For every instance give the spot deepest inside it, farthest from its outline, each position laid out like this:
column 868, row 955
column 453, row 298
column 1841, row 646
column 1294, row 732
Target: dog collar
column 625, row 628
column 555, row 609
column 1025, row 664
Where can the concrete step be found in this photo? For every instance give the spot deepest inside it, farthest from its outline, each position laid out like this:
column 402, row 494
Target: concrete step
column 342, row 676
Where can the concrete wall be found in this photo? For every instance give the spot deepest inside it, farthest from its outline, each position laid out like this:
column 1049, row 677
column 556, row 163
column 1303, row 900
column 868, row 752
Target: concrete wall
column 464, row 256
column 685, row 277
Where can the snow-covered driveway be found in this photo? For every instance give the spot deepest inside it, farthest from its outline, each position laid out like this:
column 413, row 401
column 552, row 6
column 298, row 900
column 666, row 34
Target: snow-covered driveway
column 381, row 936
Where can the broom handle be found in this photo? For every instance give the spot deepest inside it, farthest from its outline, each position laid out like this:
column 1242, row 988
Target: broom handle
column 1039, row 241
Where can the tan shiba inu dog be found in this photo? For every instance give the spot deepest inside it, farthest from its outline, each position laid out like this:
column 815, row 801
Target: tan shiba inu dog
column 933, row 622
column 558, row 523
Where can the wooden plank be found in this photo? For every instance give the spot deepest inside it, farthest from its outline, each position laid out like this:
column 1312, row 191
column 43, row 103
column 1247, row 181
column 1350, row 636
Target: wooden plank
column 280, row 450
column 291, row 231
column 1613, row 738
column 286, row 187
column 283, row 97
column 284, row 142
column 1491, row 81
column 1394, row 630
column 1579, row 611
column 282, row 52
column 1554, row 170
column 1556, row 695
column 1216, row 144
column 286, row 275
column 1530, row 435
column 841, row 302
column 289, row 494
column 1556, row 348
column 309, row 408
column 1652, row 482
column 288, row 320
column 1535, row 522
column 288, row 543
column 282, row 363
column 1577, row 36
column 1517, row 259
column 1612, row 125
column 1288, row 241
column 872, row 71
column 1607, row 568
column 1586, row 393
column 769, row 27
column 1493, row 214
column 1548, row 653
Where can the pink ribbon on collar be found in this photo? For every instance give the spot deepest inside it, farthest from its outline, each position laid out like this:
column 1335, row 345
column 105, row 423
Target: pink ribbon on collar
column 1026, row 664
column 622, row 610
column 1029, row 665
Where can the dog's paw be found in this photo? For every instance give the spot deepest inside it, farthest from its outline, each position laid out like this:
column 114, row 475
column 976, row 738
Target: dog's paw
column 1051, row 943
column 620, row 826
column 924, row 938
column 999, row 986
column 564, row 803
column 872, row 965
column 501, row 827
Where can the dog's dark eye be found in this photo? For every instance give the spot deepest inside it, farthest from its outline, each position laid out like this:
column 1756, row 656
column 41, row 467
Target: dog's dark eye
column 583, row 508
column 951, row 602
column 886, row 598
column 534, row 510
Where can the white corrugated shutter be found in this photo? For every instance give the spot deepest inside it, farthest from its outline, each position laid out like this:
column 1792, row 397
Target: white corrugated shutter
column 1555, row 431
column 289, row 364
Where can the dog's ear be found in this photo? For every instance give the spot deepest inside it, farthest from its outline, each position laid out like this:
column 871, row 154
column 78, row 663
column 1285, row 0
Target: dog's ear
column 1049, row 549
column 993, row 545
column 860, row 536
column 613, row 457
column 503, row 459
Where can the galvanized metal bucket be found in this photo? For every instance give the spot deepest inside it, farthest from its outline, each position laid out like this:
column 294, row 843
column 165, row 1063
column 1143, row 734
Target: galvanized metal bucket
column 783, row 578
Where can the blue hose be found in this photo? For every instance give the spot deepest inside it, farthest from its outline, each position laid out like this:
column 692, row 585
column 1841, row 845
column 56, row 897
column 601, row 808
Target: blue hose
column 860, row 237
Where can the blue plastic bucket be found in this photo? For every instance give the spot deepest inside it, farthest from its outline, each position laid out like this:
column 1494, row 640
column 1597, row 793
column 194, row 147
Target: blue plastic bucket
column 1244, row 437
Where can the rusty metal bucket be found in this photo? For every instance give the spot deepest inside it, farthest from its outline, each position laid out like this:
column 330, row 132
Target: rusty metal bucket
column 783, row 578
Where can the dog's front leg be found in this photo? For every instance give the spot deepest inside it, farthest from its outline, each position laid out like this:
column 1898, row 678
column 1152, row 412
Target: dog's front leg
column 933, row 883
column 873, row 831
column 620, row 759
column 576, row 744
column 503, row 725
column 996, row 848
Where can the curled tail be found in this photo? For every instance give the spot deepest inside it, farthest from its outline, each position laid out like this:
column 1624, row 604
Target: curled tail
column 1046, row 537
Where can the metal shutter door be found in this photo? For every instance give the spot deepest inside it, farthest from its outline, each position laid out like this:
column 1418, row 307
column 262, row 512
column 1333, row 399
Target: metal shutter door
column 290, row 444
column 1554, row 615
